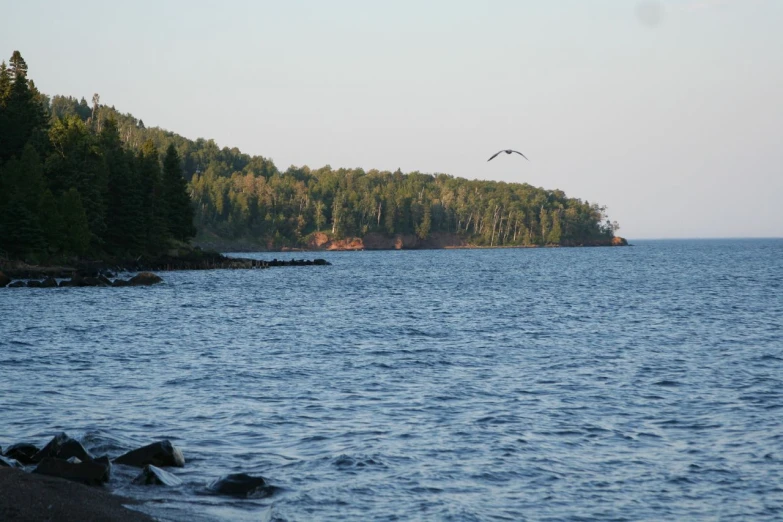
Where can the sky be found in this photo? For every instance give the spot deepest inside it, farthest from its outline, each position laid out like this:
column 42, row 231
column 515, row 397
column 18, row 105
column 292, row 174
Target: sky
column 668, row 112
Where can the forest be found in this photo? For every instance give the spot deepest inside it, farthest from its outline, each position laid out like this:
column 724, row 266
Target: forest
column 83, row 179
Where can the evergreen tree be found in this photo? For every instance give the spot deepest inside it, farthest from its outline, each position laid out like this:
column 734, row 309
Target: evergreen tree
column 22, row 114
column 148, row 166
column 76, row 162
column 18, row 65
column 126, row 231
column 21, row 234
column 5, row 84
column 51, row 222
column 176, row 201
column 77, row 231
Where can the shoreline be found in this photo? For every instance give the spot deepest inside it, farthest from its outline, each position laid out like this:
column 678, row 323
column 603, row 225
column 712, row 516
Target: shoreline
column 84, row 270
column 29, row 497
column 323, row 242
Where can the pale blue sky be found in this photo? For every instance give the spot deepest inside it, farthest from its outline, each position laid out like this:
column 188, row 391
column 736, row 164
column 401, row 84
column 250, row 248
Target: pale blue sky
column 669, row 112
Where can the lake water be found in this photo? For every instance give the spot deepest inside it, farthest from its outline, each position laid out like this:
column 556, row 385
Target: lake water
column 641, row 383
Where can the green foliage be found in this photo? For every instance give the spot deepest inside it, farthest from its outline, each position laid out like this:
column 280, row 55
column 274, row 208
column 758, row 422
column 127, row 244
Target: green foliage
column 20, row 213
column 176, row 201
column 74, row 218
column 69, row 185
column 81, row 179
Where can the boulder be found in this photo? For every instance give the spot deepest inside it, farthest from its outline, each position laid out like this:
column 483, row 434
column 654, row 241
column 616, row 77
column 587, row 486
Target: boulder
column 242, row 485
column 120, row 282
column 75, row 280
column 152, row 475
column 73, row 449
column 49, row 282
column 63, row 447
column 145, row 279
column 34, row 283
column 95, row 472
column 92, row 281
column 22, row 452
column 6, row 462
column 17, row 284
column 4, row 280
column 162, row 453
column 52, row 448
column 321, row 262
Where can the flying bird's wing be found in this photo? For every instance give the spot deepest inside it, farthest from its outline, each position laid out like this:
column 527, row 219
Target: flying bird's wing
column 495, row 154
column 520, row 154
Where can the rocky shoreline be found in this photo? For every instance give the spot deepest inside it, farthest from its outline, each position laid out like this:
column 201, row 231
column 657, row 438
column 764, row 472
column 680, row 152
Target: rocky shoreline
column 62, row 481
column 102, row 273
column 321, row 241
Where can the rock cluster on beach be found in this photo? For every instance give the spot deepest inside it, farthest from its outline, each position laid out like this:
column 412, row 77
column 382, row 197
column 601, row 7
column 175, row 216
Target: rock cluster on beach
column 66, row 458
column 76, row 279
column 47, row 277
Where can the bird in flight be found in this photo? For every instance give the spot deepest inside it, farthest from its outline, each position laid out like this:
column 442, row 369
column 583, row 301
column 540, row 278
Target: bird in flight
column 507, row 151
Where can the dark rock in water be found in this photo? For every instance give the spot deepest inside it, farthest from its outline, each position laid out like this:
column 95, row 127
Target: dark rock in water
column 63, row 447
column 75, row 280
column 162, row 453
column 4, row 280
column 104, row 280
column 242, row 485
column 73, row 448
column 152, row 475
column 49, row 282
column 22, row 452
column 107, row 274
column 53, row 448
column 145, row 279
column 6, row 462
column 120, row 282
column 321, row 262
column 17, row 284
column 92, row 473
column 92, row 281
column 34, row 284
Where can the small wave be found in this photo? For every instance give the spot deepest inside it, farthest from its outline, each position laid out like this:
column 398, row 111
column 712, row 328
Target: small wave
column 347, row 461
column 668, row 383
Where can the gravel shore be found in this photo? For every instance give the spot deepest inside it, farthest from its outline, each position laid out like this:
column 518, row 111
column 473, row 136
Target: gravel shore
column 38, row 498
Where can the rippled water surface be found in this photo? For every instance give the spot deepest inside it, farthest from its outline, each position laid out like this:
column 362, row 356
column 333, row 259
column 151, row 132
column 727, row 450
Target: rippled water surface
column 640, row 383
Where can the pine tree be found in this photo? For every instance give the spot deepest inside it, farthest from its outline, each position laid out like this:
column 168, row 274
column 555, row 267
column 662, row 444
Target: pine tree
column 22, row 112
column 176, row 201
column 5, row 84
column 76, row 162
column 51, row 222
column 20, row 212
column 18, row 65
column 77, row 231
column 148, row 166
column 125, row 227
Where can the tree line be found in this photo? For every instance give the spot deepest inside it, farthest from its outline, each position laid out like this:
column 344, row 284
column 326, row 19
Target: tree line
column 247, row 198
column 95, row 183
column 70, row 186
